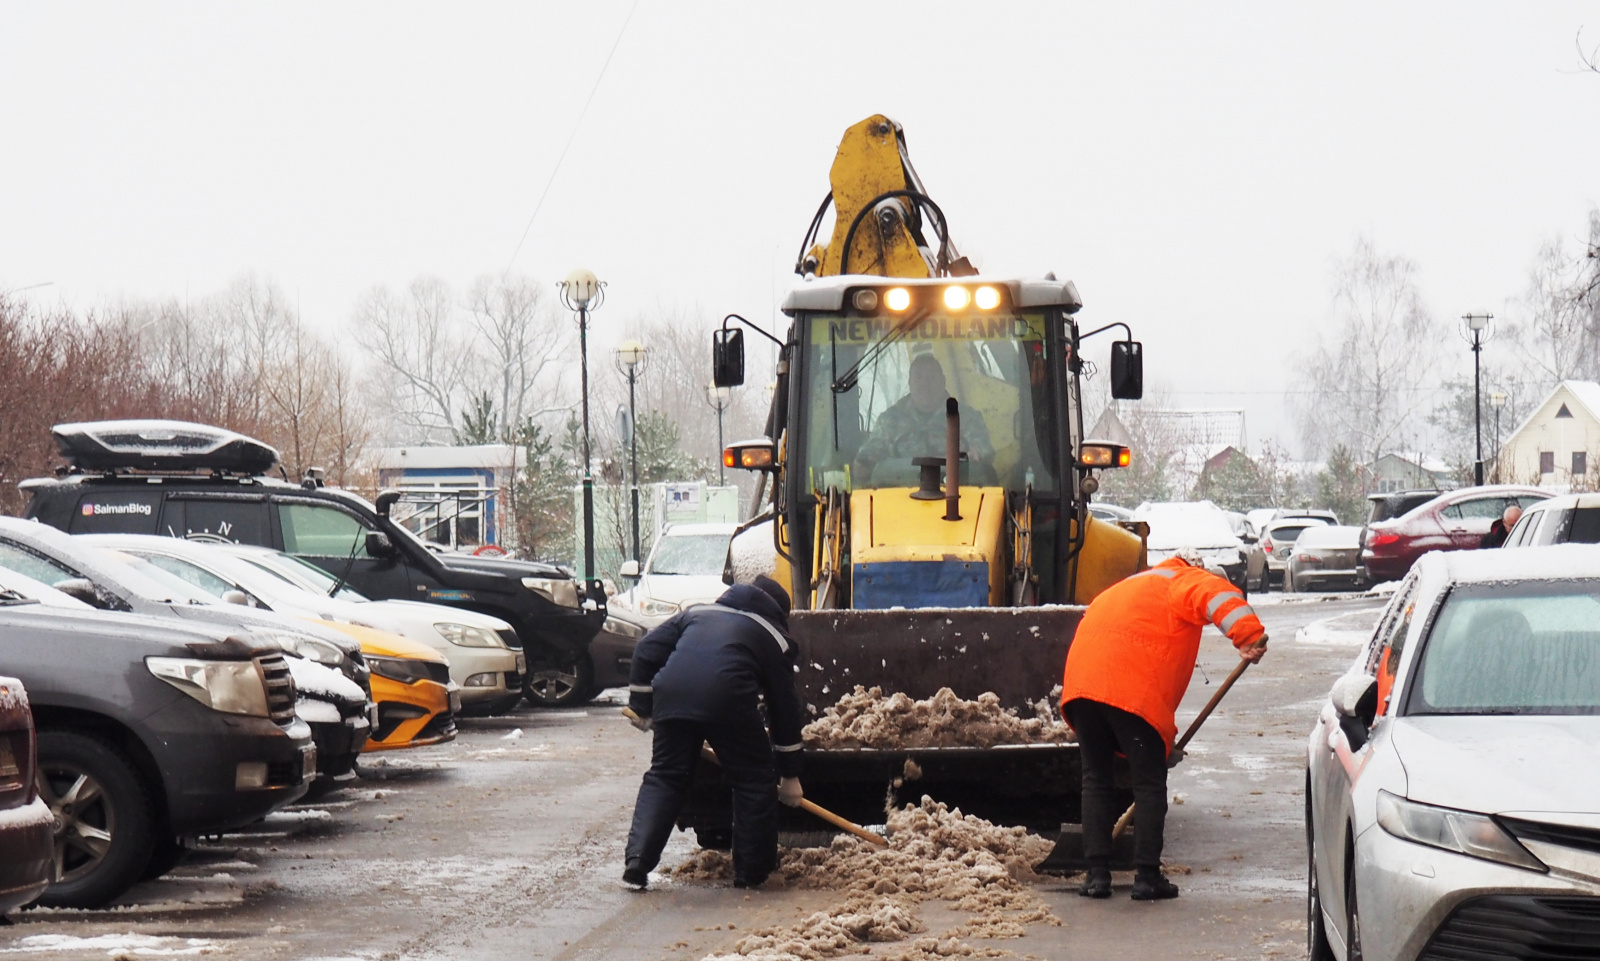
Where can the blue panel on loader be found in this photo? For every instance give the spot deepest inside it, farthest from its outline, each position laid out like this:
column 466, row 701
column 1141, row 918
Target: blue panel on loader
column 947, row 583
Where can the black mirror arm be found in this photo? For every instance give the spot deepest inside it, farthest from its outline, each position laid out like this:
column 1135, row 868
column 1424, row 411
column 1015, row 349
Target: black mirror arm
column 753, row 327
column 1101, row 330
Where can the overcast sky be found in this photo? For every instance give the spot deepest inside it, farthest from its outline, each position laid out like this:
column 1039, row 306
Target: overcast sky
column 1195, row 168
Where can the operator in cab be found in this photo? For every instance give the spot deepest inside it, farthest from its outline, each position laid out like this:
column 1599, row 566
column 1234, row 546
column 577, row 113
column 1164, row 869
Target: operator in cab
column 914, row 425
column 1129, row 664
column 700, row 678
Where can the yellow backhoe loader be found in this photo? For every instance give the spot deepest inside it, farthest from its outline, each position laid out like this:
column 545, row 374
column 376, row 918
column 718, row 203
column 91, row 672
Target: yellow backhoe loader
column 926, row 489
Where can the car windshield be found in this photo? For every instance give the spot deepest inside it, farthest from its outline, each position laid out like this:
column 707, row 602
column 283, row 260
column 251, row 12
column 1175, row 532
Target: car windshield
column 1529, row 647
column 698, row 554
column 877, row 388
column 300, row 574
column 151, row 582
column 1288, row 533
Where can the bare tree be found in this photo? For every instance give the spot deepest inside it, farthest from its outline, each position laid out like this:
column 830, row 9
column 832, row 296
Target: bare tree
column 523, row 346
column 1367, row 382
column 423, row 354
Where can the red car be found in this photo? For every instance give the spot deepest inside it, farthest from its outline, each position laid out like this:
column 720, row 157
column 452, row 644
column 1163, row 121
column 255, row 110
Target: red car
column 1452, row 521
column 27, row 840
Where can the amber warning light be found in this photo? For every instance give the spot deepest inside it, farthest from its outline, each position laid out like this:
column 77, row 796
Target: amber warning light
column 753, row 455
column 1100, row 454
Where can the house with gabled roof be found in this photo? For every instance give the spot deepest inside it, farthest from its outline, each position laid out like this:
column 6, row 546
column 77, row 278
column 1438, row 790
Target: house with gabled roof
column 1558, row 446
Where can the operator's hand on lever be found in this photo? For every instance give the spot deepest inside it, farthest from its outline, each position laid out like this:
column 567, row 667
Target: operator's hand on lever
column 1254, row 652
column 789, row 791
column 1174, row 757
column 642, row 723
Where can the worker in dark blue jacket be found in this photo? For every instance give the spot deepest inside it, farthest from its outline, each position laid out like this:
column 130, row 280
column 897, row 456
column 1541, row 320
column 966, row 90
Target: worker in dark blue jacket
column 699, row 678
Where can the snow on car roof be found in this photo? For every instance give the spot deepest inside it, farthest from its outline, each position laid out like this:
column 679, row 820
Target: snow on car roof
column 1328, row 535
column 1556, row 562
column 1186, row 524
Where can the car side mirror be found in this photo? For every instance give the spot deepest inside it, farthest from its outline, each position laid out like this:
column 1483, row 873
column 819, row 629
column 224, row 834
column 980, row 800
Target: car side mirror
column 1127, row 369
column 629, row 568
column 727, row 357
column 236, row 597
column 1355, row 696
column 80, row 589
column 379, row 545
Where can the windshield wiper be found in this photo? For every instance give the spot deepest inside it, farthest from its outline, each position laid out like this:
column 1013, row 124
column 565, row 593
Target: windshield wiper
column 10, row 598
column 846, row 382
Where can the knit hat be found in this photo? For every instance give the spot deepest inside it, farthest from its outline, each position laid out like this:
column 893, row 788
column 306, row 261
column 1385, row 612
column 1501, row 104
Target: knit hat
column 773, row 590
column 1190, row 556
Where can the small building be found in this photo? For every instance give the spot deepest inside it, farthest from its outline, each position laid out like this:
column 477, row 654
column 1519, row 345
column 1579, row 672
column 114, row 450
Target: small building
column 1558, row 444
column 1409, row 470
column 456, row 497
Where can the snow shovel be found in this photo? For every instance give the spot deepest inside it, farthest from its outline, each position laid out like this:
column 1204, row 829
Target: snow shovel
column 1067, row 856
column 805, row 804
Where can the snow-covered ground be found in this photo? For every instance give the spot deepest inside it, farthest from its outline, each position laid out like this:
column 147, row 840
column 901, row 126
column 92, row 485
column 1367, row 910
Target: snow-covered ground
column 1344, row 630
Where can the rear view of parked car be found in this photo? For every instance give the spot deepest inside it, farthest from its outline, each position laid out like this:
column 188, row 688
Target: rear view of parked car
column 1269, row 556
column 1452, row 521
column 1325, row 557
column 27, row 847
column 1453, row 780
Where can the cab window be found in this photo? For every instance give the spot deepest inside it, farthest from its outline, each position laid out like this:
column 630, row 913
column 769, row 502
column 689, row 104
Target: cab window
column 312, row 530
column 116, row 513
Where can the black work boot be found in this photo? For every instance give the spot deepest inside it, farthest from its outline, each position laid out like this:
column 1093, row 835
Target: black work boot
column 1149, row 884
column 635, row 876
column 1097, row 883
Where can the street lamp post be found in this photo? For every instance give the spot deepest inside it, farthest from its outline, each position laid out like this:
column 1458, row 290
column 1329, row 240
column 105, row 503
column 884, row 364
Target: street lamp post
column 582, row 292
column 1497, row 400
column 1478, row 331
column 631, row 356
column 718, row 397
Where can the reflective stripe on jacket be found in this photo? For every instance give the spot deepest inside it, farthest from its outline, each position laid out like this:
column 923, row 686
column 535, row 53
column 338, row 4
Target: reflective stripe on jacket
column 1136, row 646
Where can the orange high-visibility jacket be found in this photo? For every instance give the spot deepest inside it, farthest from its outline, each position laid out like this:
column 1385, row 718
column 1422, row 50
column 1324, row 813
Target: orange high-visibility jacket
column 1136, row 646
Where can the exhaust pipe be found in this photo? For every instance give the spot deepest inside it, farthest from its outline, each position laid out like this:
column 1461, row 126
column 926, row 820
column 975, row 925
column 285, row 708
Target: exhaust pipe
column 952, row 460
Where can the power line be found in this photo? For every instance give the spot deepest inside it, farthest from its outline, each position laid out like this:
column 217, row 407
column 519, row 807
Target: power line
column 572, row 136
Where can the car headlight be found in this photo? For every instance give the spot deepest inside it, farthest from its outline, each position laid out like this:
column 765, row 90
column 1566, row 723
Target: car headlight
column 1475, row 835
column 558, row 590
column 617, row 626
column 311, row 648
column 403, row 669
column 657, row 608
column 463, row 636
column 232, row 687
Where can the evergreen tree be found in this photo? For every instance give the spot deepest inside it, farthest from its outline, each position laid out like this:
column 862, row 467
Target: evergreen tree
column 1342, row 488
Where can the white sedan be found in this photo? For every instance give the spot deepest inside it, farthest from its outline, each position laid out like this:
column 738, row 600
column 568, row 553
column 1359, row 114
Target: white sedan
column 1453, row 788
column 478, row 646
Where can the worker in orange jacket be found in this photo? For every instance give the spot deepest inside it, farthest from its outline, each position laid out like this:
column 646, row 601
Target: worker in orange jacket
column 1130, row 662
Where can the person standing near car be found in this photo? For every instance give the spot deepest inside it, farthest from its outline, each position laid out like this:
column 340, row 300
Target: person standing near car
column 1128, row 666
column 700, row 677
column 1502, row 527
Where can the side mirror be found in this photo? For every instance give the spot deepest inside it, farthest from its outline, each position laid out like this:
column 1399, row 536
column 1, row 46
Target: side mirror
column 750, row 455
column 386, row 501
column 1127, row 369
column 727, row 357
column 379, row 545
column 236, row 597
column 1355, row 696
column 629, row 568
column 80, row 589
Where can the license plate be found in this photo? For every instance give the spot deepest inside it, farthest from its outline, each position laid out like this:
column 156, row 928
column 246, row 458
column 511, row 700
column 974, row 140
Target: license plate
column 308, row 763
column 455, row 702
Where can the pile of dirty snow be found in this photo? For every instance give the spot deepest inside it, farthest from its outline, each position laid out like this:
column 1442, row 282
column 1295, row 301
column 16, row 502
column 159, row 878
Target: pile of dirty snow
column 865, row 718
column 934, row 854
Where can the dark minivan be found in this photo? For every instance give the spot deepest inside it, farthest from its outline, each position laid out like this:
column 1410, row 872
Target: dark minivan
column 204, row 483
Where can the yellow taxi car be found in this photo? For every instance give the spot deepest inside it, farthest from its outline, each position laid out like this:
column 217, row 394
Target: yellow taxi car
column 417, row 702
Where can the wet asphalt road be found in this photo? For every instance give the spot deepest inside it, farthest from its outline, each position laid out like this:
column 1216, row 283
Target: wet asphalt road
column 507, row 844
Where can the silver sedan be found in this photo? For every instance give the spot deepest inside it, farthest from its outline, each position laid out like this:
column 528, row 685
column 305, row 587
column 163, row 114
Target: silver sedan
column 1453, row 782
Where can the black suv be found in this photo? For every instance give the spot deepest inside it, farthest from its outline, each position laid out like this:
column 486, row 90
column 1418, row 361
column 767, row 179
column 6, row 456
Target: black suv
column 189, row 480
column 149, row 731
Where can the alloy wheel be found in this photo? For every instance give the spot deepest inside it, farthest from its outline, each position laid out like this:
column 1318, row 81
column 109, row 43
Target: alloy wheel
column 84, row 819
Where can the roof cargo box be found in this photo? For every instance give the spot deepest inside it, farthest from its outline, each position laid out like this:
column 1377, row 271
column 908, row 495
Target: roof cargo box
column 160, row 445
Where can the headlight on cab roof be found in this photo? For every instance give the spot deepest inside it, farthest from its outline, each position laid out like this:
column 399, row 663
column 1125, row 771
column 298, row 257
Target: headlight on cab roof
column 461, row 635
column 562, row 591
column 1475, row 835
column 232, row 687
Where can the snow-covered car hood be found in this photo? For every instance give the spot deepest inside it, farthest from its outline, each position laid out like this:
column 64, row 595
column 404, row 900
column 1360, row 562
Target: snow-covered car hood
column 678, row 588
column 504, row 566
column 418, row 611
column 1503, row 764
